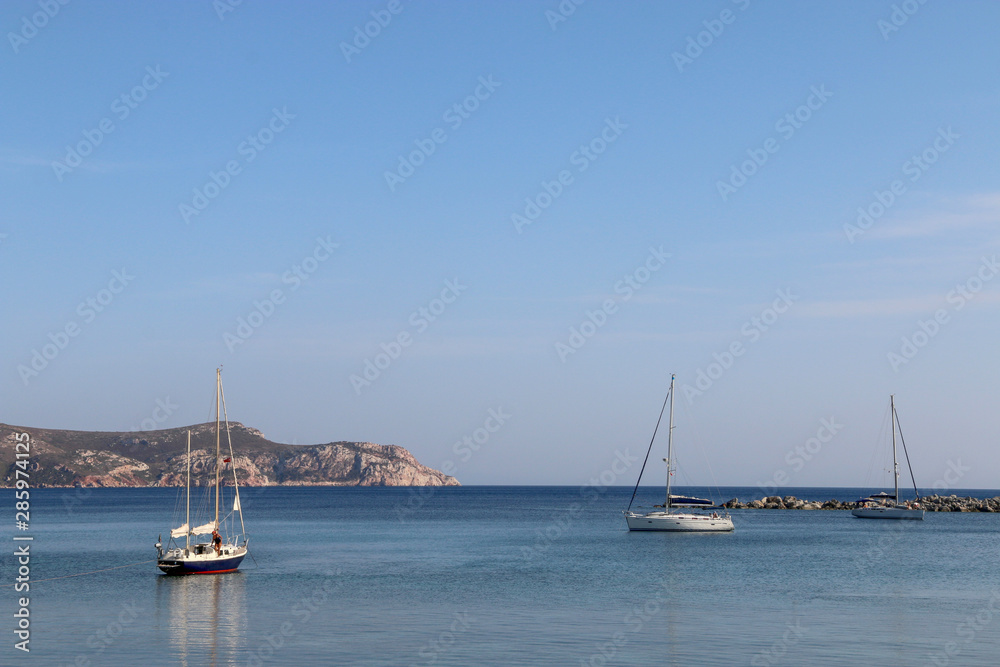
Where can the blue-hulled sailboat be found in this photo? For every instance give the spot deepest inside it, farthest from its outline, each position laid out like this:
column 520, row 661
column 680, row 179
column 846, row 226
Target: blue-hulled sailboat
column 219, row 554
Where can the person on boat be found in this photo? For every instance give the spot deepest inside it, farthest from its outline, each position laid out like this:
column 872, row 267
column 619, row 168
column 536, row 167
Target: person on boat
column 216, row 541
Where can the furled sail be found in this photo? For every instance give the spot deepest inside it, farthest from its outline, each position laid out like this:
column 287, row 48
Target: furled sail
column 179, row 532
column 236, row 503
column 203, row 529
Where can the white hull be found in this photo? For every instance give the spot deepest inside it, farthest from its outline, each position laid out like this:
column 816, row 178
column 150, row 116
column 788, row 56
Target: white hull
column 678, row 522
column 888, row 513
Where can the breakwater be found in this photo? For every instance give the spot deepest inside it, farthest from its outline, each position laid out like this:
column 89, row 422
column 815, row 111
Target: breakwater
column 933, row 503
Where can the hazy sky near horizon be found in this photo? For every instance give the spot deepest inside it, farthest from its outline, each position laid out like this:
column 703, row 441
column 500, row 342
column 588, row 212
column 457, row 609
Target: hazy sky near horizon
column 419, row 223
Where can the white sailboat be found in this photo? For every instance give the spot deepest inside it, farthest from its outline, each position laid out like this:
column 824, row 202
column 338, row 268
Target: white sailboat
column 884, row 506
column 664, row 519
column 217, row 555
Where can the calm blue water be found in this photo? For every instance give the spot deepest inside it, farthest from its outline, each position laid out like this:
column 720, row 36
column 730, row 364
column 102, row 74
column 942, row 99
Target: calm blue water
column 507, row 576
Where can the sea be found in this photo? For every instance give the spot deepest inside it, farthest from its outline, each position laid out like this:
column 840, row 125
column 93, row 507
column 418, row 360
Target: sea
column 502, row 575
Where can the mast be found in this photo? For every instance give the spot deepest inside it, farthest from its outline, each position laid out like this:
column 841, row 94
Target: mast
column 670, row 442
column 187, row 517
column 218, row 391
column 895, row 466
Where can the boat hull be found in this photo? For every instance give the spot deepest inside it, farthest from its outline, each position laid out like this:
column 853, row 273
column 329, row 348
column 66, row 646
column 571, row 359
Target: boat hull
column 678, row 522
column 202, row 563
column 888, row 513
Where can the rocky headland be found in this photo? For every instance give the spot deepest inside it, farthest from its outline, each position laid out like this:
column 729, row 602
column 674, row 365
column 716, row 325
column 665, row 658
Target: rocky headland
column 934, row 503
column 159, row 458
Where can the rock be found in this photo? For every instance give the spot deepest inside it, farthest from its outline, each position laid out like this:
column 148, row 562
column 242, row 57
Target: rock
column 159, row 458
column 933, row 503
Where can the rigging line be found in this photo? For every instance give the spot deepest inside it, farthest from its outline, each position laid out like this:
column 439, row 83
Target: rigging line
column 878, row 448
column 697, row 439
column 650, row 449
column 907, row 455
column 232, row 459
column 211, row 408
column 35, row 581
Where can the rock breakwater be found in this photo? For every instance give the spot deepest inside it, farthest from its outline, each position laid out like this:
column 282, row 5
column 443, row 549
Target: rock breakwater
column 933, row 503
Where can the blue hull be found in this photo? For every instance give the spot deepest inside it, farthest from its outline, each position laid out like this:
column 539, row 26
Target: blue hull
column 216, row 566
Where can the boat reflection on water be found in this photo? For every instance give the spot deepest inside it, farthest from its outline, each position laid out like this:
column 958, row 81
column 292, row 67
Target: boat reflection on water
column 204, row 619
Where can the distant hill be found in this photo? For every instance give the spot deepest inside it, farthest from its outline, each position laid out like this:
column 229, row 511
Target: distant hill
column 158, row 458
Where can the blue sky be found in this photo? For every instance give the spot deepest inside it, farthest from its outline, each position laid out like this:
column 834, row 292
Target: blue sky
column 236, row 162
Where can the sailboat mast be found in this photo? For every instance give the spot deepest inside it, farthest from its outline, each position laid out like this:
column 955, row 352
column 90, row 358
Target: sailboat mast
column 670, row 442
column 895, row 466
column 187, row 517
column 218, row 389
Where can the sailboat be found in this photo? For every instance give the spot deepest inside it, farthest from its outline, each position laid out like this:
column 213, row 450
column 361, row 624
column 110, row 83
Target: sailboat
column 216, row 555
column 882, row 505
column 664, row 519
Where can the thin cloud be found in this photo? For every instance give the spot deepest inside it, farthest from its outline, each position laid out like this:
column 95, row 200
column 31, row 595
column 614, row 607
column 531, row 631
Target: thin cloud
column 867, row 307
column 953, row 214
column 917, row 305
column 16, row 160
